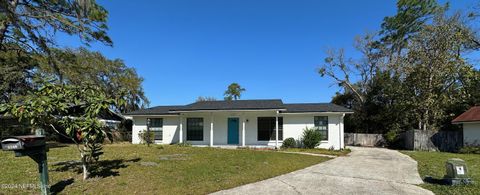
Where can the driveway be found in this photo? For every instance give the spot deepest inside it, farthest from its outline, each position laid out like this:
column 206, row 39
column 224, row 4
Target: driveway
column 364, row 171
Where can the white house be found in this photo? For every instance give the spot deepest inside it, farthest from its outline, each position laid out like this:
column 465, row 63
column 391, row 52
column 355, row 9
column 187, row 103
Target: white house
column 470, row 121
column 258, row 123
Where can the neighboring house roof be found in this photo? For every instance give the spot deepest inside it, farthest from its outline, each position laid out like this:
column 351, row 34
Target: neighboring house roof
column 471, row 115
column 234, row 105
column 275, row 104
column 315, row 107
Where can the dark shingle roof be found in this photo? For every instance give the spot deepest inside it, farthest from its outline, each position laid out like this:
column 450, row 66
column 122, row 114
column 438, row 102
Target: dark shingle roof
column 234, row 105
column 471, row 115
column 242, row 105
column 315, row 107
column 157, row 110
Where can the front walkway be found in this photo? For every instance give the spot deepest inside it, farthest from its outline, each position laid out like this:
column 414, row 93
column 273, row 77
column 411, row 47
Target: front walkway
column 364, row 171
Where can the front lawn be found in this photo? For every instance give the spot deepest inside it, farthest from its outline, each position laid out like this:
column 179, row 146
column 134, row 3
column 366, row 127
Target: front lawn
column 319, row 151
column 127, row 169
column 433, row 164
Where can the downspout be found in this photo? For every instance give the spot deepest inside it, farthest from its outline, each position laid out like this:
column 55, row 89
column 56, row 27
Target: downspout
column 340, row 125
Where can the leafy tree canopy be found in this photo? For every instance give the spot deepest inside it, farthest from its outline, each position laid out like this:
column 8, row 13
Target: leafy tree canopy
column 82, row 67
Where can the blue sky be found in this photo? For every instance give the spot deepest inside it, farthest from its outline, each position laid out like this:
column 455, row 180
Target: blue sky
column 189, row 48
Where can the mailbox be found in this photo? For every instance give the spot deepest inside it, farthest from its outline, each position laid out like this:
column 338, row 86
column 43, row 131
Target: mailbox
column 457, row 172
column 33, row 146
column 23, row 142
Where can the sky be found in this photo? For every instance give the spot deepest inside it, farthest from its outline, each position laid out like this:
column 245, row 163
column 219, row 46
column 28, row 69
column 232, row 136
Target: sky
column 273, row 48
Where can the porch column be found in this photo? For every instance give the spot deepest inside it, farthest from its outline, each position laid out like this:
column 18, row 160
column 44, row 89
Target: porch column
column 211, row 129
column 180, row 133
column 276, row 131
column 243, row 131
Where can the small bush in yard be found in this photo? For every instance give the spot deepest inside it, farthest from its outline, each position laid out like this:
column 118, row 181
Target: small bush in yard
column 289, row 143
column 184, row 144
column 311, row 138
column 470, row 150
column 146, row 137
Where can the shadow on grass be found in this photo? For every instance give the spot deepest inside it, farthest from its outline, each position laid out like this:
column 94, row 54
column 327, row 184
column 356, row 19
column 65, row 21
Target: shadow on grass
column 56, row 145
column 102, row 168
column 59, row 186
column 431, row 180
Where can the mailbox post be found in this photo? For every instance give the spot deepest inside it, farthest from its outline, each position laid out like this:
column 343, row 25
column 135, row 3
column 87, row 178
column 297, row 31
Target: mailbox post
column 34, row 147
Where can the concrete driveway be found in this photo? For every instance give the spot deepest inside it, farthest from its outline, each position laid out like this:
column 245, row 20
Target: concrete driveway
column 364, row 171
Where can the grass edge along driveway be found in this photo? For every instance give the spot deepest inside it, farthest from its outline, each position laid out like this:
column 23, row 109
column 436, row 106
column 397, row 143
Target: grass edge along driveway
column 433, row 164
column 128, row 168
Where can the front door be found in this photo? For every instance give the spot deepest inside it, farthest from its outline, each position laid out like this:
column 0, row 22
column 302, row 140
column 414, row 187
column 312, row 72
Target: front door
column 233, row 131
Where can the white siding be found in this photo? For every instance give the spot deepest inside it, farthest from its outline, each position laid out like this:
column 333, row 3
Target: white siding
column 293, row 126
column 170, row 128
column 471, row 134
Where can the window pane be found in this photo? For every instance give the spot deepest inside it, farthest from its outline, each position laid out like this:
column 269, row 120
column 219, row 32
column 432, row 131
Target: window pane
column 266, row 128
column 321, row 124
column 195, row 129
column 155, row 125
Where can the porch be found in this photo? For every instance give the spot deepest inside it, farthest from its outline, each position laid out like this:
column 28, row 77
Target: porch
column 230, row 129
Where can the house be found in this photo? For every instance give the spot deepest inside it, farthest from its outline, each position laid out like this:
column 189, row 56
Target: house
column 11, row 126
column 256, row 123
column 470, row 121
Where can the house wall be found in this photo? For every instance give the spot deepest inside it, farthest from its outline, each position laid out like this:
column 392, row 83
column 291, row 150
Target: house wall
column 293, row 126
column 471, row 134
column 170, row 128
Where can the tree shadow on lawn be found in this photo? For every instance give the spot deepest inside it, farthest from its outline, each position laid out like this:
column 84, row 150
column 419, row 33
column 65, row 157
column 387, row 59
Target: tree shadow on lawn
column 103, row 168
column 59, row 186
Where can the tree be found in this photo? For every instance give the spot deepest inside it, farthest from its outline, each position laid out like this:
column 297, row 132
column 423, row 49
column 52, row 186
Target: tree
column 74, row 108
column 234, row 92
column 32, row 24
column 16, row 70
column 411, row 16
column 113, row 77
column 434, row 61
column 414, row 73
column 205, row 99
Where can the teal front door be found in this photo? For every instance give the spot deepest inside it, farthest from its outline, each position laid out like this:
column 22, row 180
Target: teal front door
column 233, row 131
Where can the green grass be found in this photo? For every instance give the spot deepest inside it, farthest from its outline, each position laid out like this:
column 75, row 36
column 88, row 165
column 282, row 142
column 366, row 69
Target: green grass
column 433, row 164
column 179, row 170
column 319, row 151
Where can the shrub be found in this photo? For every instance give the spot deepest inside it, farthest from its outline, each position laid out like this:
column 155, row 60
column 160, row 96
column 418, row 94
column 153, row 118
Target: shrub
column 184, row 144
column 470, row 150
column 289, row 143
column 391, row 136
column 146, row 137
column 311, row 138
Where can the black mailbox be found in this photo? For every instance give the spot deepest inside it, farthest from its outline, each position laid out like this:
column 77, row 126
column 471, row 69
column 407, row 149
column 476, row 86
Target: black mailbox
column 33, row 146
column 23, row 142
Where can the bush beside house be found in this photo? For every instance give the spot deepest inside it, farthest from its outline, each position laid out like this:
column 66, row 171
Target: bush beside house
column 311, row 138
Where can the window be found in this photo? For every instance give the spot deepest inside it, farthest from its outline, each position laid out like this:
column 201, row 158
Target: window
column 155, row 125
column 266, row 128
column 195, row 129
column 321, row 124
